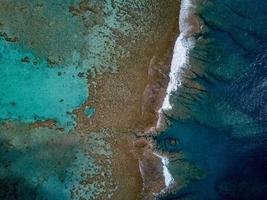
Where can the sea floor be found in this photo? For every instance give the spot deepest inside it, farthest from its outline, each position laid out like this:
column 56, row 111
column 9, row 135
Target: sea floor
column 79, row 80
column 216, row 139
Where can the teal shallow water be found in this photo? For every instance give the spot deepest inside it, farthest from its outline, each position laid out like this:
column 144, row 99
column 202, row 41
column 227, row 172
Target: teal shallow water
column 46, row 164
column 44, row 77
column 48, row 49
column 31, row 92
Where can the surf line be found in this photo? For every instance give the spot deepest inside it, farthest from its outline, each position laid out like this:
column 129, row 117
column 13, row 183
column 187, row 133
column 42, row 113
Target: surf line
column 168, row 179
column 181, row 51
column 180, row 60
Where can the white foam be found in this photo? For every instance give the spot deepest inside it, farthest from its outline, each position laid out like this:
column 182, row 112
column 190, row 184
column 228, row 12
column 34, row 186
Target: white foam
column 180, row 54
column 179, row 61
column 187, row 8
column 168, row 179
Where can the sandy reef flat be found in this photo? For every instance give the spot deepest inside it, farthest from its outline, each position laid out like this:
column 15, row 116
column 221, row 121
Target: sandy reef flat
column 112, row 57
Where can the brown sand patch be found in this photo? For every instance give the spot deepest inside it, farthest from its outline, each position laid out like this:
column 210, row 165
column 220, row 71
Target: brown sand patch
column 127, row 102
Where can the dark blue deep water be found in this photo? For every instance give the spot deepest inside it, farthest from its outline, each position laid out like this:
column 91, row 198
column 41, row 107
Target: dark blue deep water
column 219, row 151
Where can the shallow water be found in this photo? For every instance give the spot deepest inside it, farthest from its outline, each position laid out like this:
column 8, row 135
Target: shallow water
column 219, row 150
column 50, row 50
column 43, row 163
column 29, row 89
column 51, row 54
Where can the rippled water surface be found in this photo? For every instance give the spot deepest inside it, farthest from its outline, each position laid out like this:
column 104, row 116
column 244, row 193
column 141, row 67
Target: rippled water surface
column 217, row 145
column 50, row 51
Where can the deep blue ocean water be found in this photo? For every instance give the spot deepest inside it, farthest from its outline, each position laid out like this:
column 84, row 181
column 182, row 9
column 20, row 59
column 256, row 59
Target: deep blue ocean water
column 217, row 152
column 223, row 141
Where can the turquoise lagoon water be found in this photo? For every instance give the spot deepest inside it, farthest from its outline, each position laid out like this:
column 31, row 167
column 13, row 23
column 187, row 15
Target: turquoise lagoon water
column 43, row 163
column 44, row 77
column 220, row 149
column 34, row 91
column 89, row 112
column 48, row 49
